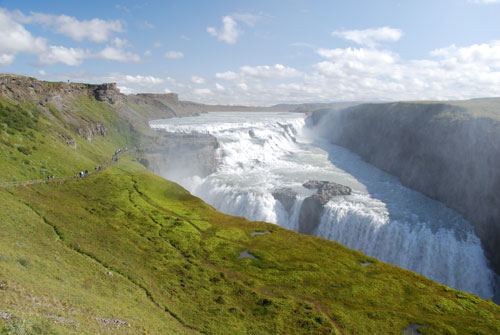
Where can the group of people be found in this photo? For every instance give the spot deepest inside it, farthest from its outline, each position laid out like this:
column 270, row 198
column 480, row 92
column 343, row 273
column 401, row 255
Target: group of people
column 82, row 174
column 85, row 173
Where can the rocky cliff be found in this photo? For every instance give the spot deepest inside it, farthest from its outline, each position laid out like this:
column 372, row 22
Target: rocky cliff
column 28, row 89
column 447, row 151
column 178, row 155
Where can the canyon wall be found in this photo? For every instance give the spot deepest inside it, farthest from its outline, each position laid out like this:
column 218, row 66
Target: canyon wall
column 447, row 151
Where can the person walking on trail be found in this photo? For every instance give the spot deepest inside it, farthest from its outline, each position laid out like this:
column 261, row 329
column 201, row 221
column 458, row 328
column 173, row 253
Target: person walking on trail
column 81, row 174
column 48, row 178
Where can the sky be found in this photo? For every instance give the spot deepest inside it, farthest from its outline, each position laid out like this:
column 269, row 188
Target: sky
column 261, row 52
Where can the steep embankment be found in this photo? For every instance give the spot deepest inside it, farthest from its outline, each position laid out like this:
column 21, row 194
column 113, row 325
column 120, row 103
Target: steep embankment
column 126, row 252
column 447, row 151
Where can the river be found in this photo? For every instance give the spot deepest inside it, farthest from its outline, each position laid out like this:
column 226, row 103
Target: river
column 262, row 152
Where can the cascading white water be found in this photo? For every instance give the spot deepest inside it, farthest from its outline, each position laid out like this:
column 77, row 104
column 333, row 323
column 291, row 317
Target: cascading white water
column 262, row 152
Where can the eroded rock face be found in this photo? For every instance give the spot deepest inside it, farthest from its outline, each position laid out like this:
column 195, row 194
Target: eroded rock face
column 92, row 130
column 449, row 152
column 22, row 88
column 179, row 155
column 286, row 196
column 108, row 93
column 327, row 190
column 312, row 206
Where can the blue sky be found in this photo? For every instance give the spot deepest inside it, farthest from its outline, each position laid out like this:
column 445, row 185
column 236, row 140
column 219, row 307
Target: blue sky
column 261, row 52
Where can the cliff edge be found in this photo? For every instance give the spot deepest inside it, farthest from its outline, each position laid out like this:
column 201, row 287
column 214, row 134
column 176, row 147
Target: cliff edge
column 447, row 151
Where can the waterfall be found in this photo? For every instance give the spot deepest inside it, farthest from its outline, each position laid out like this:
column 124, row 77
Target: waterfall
column 262, row 152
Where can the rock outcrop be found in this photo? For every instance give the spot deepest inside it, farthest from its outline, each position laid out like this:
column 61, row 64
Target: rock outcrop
column 286, row 196
column 448, row 151
column 93, row 129
column 326, row 190
column 312, row 206
column 179, row 155
column 59, row 94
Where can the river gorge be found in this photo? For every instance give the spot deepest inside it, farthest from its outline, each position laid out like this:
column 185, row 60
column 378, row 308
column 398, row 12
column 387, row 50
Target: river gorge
column 264, row 164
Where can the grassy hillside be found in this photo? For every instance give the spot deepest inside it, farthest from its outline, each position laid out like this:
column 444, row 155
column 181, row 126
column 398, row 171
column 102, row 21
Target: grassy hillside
column 36, row 142
column 126, row 252
column 126, row 245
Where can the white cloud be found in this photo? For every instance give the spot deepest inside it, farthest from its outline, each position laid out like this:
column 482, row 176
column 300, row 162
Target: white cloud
column 229, row 32
column 126, row 90
column 370, row 37
column 219, row 87
column 228, row 75
column 147, row 53
column 202, row 91
column 116, row 52
column 14, row 39
column 487, row 54
column 6, row 59
column 173, row 54
column 157, row 44
column 95, row 30
column 59, row 54
column 366, row 74
column 143, row 81
column 197, row 80
column 270, row 72
column 262, row 72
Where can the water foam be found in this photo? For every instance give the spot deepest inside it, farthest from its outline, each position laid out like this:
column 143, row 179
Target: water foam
column 261, row 152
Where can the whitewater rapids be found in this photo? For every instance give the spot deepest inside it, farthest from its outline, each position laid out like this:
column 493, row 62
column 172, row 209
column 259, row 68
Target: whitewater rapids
column 262, row 152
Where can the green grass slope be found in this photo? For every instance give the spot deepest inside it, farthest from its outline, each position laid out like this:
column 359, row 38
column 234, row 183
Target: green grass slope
column 126, row 252
column 34, row 141
column 127, row 245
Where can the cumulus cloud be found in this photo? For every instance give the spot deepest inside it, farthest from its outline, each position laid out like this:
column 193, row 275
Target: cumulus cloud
column 173, row 54
column 228, row 75
column 116, row 52
column 265, row 71
column 126, row 90
column 487, row 54
column 230, row 31
column 366, row 74
column 59, row 54
column 14, row 39
column 277, row 71
column 95, row 30
column 197, row 80
column 370, row 37
column 202, row 91
column 143, row 81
